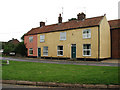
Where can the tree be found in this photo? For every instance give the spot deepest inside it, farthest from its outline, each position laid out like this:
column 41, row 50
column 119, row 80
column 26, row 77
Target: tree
column 21, row 49
column 22, row 38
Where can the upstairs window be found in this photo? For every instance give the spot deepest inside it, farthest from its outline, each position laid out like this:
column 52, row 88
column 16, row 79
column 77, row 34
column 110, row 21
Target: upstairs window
column 86, row 33
column 31, row 51
column 62, row 35
column 31, row 39
column 86, row 49
column 42, row 38
column 60, row 51
column 45, row 51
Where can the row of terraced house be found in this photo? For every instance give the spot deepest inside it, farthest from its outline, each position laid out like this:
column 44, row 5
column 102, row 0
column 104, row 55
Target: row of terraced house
column 90, row 38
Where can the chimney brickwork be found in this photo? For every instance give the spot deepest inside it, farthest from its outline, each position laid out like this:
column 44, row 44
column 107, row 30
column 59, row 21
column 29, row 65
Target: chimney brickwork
column 81, row 16
column 59, row 19
column 42, row 24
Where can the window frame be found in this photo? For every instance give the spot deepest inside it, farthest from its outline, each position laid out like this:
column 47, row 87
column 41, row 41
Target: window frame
column 86, row 35
column 45, row 51
column 43, row 38
column 62, row 36
column 59, row 50
column 29, row 51
column 86, row 50
column 31, row 39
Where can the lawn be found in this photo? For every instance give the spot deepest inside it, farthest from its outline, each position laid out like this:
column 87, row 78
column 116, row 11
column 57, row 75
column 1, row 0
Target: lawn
column 60, row 73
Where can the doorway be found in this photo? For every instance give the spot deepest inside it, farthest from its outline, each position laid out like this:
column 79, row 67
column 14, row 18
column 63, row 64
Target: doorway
column 73, row 51
column 39, row 52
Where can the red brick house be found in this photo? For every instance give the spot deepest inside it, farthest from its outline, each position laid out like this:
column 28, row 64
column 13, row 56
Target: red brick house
column 13, row 41
column 115, row 38
column 31, row 45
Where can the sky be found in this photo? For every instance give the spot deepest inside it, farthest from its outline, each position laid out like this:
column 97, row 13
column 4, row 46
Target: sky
column 17, row 17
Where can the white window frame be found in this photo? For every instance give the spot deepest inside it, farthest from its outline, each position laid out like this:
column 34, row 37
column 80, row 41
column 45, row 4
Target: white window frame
column 62, row 35
column 29, row 51
column 31, row 39
column 42, row 38
column 59, row 50
column 86, row 50
column 45, row 51
column 86, row 35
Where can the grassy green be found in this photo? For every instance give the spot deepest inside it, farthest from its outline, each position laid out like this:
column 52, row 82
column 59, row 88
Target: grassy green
column 60, row 73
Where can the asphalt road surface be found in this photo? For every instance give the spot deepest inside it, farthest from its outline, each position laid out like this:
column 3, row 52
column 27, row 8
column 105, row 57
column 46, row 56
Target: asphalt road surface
column 61, row 61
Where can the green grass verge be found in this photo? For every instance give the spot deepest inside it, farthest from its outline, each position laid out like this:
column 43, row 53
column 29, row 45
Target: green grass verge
column 60, row 73
column 3, row 62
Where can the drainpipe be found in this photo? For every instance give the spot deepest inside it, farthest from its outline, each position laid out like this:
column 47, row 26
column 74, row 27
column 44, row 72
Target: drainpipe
column 98, row 43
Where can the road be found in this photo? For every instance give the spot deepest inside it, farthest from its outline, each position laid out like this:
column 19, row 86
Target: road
column 61, row 61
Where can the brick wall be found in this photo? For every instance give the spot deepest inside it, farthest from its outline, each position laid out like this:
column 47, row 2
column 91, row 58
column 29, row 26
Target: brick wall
column 115, row 41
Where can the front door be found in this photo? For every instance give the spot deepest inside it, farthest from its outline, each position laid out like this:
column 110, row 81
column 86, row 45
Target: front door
column 73, row 50
column 39, row 52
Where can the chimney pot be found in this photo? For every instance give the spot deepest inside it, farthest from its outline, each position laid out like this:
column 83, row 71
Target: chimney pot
column 42, row 24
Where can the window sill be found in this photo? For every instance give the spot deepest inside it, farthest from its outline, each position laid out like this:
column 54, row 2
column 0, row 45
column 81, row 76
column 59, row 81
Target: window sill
column 87, row 55
column 86, row 38
column 45, row 55
column 63, row 40
column 59, row 55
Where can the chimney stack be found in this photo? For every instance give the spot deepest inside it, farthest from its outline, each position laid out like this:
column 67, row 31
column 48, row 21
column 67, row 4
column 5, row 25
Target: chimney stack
column 59, row 19
column 42, row 24
column 81, row 16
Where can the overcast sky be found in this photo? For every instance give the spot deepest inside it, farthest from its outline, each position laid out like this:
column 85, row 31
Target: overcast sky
column 19, row 16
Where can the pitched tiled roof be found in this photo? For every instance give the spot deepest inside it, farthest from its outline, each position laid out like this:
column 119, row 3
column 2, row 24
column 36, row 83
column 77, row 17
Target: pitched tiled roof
column 114, row 23
column 66, row 25
column 13, row 41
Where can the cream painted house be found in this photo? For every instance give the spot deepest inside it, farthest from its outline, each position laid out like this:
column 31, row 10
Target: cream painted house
column 81, row 38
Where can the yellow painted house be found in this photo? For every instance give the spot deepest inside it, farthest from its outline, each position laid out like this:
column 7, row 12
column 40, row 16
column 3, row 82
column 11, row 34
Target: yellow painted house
column 81, row 38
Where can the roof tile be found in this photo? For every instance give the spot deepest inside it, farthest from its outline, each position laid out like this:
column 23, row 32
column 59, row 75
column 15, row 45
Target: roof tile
column 66, row 25
column 114, row 23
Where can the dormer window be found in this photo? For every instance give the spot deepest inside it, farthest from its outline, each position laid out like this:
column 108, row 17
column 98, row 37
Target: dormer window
column 62, row 35
column 31, row 39
column 86, row 33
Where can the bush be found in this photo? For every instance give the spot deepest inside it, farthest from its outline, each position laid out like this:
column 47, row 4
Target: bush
column 9, row 47
column 21, row 49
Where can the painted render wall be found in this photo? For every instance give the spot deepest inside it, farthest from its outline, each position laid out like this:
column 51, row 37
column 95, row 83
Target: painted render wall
column 31, row 44
column 52, row 40
column 105, row 40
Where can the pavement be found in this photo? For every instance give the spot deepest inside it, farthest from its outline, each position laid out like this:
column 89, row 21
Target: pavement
column 108, row 62
column 20, row 86
column 29, row 84
column 111, row 61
